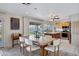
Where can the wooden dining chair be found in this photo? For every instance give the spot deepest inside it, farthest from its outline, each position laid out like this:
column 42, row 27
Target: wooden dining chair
column 15, row 36
column 55, row 47
column 30, row 47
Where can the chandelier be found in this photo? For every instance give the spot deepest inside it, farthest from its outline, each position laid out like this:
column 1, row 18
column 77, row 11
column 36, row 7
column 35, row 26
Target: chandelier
column 52, row 19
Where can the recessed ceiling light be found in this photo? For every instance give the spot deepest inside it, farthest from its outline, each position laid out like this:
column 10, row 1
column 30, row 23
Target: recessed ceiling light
column 26, row 12
column 35, row 8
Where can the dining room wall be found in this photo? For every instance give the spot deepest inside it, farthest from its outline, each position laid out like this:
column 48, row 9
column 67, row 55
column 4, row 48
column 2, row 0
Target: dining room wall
column 7, row 30
column 75, row 31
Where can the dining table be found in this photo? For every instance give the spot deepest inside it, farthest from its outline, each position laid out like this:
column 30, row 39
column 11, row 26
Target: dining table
column 42, row 43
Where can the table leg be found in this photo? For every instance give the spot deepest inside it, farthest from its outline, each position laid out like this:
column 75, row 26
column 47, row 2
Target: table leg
column 43, row 52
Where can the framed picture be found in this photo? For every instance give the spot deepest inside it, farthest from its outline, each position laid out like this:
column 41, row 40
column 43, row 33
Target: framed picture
column 15, row 23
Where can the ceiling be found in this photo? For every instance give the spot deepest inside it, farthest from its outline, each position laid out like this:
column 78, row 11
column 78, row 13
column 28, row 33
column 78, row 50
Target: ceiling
column 41, row 10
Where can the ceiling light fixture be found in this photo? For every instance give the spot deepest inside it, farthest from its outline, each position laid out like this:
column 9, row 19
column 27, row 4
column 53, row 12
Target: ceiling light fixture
column 53, row 18
column 26, row 4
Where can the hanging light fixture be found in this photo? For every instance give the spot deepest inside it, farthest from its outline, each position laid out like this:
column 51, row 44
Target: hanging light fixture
column 53, row 18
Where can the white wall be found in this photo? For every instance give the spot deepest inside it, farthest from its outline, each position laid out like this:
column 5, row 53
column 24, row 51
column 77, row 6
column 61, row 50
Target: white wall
column 7, row 30
column 75, row 33
column 75, row 30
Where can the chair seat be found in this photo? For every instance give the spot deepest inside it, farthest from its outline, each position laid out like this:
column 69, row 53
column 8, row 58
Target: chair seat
column 51, row 48
column 33, row 48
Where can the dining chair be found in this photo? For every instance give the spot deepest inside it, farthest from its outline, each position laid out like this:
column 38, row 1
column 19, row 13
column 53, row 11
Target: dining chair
column 55, row 47
column 15, row 37
column 30, row 47
column 22, row 45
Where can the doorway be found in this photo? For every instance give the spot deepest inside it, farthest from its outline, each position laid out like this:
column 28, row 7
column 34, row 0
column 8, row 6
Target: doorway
column 65, row 27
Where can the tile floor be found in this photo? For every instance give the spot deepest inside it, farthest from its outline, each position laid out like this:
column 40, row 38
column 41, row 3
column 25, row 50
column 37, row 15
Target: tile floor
column 65, row 50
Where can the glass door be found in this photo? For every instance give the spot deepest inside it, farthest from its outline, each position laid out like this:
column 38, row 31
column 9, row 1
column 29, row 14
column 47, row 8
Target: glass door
column 1, row 33
column 35, row 30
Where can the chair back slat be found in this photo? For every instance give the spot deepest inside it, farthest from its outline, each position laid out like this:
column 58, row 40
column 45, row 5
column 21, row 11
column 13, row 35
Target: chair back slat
column 21, row 39
column 28, row 42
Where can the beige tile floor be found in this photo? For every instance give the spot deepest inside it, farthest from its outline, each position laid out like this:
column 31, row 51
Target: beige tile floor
column 65, row 46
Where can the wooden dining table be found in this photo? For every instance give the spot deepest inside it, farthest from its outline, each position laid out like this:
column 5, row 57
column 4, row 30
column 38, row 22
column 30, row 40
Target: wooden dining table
column 43, row 52
column 42, row 45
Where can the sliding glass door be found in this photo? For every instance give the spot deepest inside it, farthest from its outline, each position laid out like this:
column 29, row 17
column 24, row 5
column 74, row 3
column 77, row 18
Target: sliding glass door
column 35, row 30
